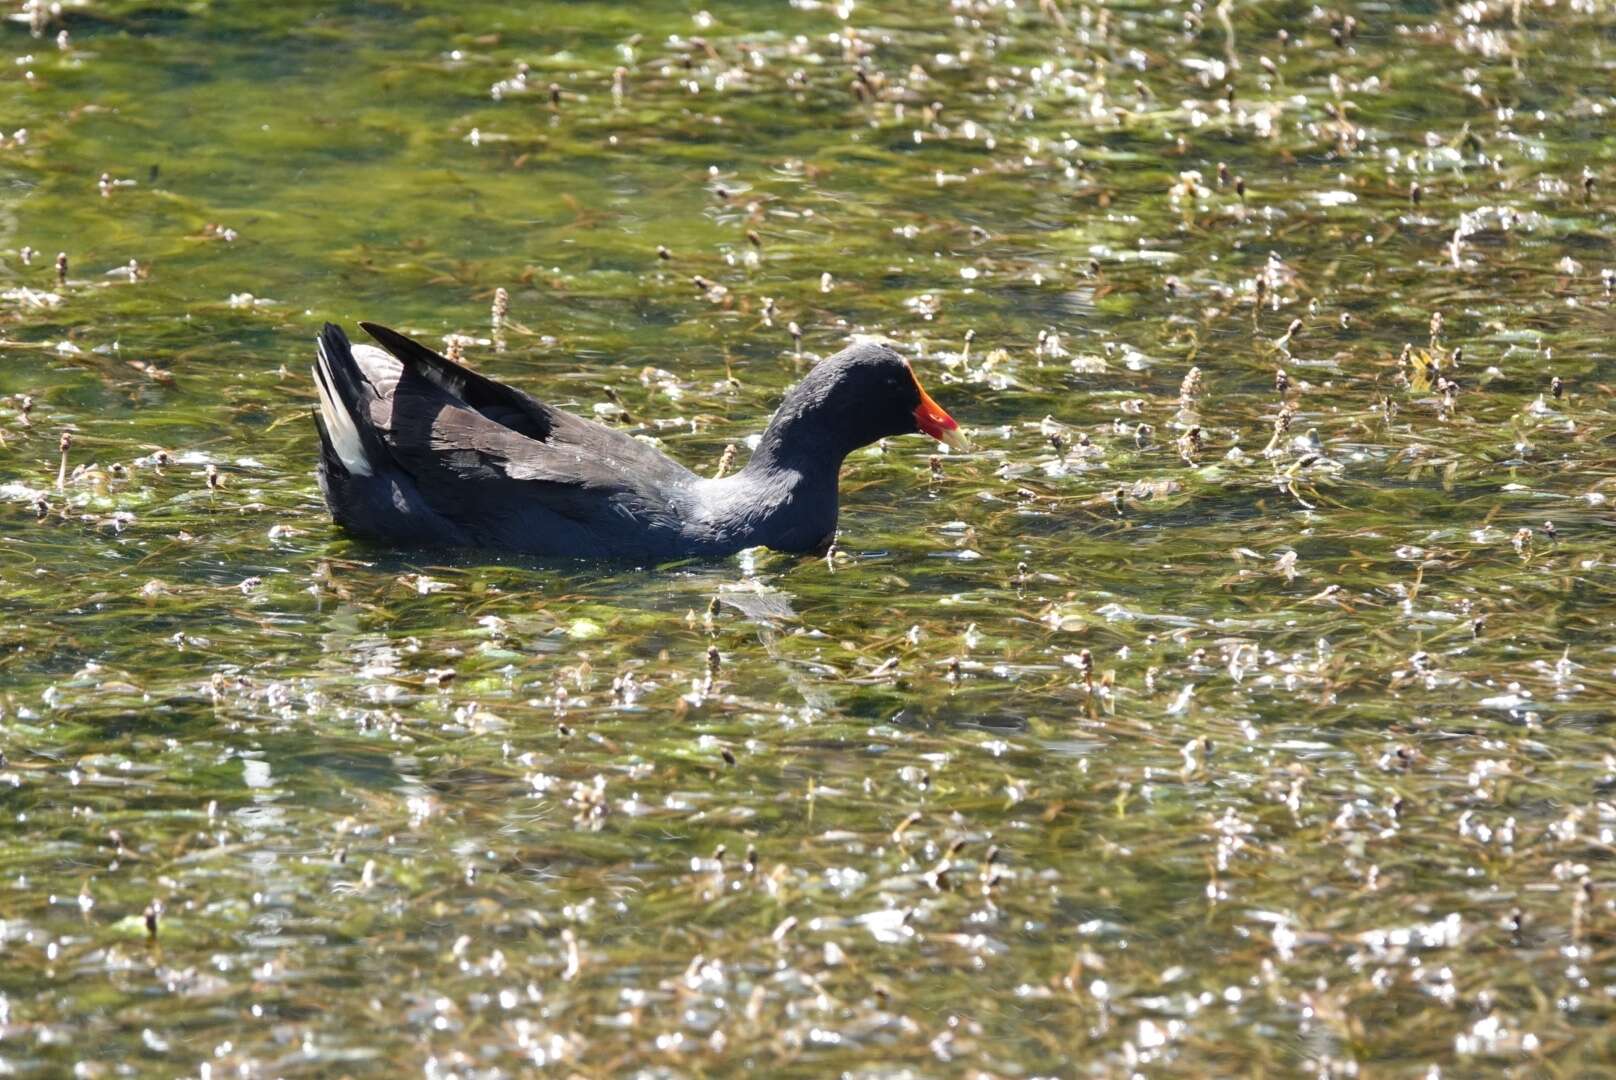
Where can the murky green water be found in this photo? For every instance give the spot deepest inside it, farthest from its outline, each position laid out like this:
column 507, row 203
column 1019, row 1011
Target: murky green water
column 1192, row 726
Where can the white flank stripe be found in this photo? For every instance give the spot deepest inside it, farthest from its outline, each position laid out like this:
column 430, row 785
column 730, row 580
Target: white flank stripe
column 338, row 423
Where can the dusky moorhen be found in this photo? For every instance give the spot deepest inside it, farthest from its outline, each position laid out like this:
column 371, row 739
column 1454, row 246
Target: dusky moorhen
column 416, row 450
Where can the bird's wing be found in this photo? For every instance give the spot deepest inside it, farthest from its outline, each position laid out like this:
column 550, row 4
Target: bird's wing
column 476, row 447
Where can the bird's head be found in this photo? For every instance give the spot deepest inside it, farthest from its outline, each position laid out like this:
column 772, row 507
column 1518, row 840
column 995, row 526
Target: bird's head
column 868, row 392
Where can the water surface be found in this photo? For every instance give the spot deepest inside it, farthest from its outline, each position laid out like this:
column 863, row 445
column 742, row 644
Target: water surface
column 1240, row 707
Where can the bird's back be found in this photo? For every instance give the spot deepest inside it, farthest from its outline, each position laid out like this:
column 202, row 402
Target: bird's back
column 454, row 457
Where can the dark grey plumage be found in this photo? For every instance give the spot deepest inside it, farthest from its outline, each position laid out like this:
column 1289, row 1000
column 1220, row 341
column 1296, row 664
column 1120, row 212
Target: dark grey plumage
column 417, row 450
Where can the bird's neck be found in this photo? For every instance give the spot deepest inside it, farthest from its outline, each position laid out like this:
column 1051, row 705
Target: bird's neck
column 806, row 435
column 792, row 448
column 786, row 496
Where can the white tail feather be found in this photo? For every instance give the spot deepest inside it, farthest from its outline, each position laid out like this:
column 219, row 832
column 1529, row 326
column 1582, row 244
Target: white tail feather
column 339, row 424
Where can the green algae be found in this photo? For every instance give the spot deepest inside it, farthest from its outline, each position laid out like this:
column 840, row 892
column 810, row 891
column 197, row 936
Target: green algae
column 1191, row 726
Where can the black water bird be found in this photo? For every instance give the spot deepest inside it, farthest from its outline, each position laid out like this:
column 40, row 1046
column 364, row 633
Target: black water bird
column 416, row 450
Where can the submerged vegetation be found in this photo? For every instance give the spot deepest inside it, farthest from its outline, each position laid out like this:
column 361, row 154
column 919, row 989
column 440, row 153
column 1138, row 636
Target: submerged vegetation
column 1240, row 706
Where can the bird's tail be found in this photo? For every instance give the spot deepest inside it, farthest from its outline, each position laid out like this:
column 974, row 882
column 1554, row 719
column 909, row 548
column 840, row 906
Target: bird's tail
column 346, row 434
